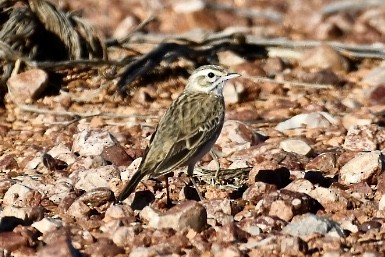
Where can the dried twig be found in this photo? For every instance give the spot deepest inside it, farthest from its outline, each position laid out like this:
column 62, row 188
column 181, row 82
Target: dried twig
column 121, row 41
column 233, row 178
column 376, row 51
column 356, row 51
column 82, row 115
column 291, row 83
column 200, row 53
column 268, row 14
column 48, row 65
column 349, row 5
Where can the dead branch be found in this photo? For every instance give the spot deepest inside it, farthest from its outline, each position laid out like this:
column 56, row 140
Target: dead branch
column 290, row 83
column 349, row 5
column 124, row 40
column 376, row 51
column 199, row 53
column 81, row 115
column 92, row 64
column 233, row 178
column 267, row 14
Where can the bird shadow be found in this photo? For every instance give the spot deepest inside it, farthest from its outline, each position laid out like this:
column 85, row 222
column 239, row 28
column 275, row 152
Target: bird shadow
column 279, row 177
column 142, row 199
column 191, row 193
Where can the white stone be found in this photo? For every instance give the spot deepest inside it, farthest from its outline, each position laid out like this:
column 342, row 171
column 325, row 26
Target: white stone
column 381, row 204
column 371, row 254
column 325, row 195
column 349, row 120
column 239, row 164
column 324, row 57
column 188, row 6
column 231, row 93
column 125, row 27
column 127, row 172
column 364, row 137
column 229, row 58
column 63, row 153
column 332, row 253
column 188, row 214
column 123, row 235
column 117, row 211
column 16, row 193
column 60, row 190
column 375, row 77
column 78, row 209
column 35, row 162
column 351, row 103
column 360, row 168
column 99, row 177
column 309, row 224
column 348, row 225
column 47, row 224
column 92, row 142
column 253, row 230
column 144, row 251
column 295, row 146
column 301, row 186
column 235, row 136
column 256, row 242
column 307, row 120
column 11, row 211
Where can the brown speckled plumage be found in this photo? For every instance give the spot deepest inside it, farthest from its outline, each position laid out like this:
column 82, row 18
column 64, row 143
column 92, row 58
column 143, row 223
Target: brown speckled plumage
column 188, row 129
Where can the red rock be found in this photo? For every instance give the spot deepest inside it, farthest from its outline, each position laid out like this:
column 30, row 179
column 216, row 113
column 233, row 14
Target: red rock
column 116, row 155
column 230, row 233
column 60, row 248
column 325, row 163
column 5, row 184
column 219, row 210
column 12, row 240
column 225, row 249
column 103, row 248
column 323, row 57
column 364, row 138
column 184, row 215
column 365, row 167
column 274, row 65
column 263, row 222
column 27, row 86
column 285, row 204
column 292, row 246
column 8, row 162
column 326, row 77
column 377, row 96
column 256, row 191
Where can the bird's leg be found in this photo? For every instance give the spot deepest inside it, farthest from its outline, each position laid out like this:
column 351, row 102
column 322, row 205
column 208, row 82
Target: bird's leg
column 190, row 171
column 214, row 155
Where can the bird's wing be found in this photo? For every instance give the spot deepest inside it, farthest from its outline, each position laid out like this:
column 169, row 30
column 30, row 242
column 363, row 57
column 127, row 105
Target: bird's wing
column 183, row 132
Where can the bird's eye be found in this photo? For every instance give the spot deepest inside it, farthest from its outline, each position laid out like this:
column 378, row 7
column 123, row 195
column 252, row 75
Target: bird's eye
column 211, row 75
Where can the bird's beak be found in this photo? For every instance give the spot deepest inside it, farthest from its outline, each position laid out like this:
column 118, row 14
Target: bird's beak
column 231, row 76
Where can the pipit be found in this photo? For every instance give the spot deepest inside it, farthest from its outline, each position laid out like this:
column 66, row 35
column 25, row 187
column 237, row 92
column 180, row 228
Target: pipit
column 187, row 130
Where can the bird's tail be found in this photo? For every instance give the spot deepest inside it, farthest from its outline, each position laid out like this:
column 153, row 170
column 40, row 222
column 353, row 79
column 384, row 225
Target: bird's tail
column 131, row 185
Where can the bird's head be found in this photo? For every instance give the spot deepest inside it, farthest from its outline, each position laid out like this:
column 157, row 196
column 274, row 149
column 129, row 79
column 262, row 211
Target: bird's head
column 209, row 79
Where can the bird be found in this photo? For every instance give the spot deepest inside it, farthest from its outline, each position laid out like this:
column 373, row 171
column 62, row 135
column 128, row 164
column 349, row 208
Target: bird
column 187, row 130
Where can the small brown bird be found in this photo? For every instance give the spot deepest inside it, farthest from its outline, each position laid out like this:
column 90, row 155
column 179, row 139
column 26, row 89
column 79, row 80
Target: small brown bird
column 187, row 130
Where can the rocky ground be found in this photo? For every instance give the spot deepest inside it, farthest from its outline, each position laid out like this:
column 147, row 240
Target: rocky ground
column 300, row 152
